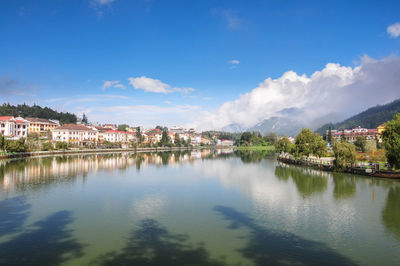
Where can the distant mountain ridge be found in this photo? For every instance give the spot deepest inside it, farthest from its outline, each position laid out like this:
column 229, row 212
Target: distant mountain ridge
column 371, row 118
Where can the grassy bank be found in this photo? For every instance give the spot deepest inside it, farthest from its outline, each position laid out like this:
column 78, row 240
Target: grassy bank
column 256, row 148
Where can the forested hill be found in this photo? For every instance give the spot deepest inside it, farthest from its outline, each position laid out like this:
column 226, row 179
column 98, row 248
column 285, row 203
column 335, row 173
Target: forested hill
column 370, row 118
column 24, row 110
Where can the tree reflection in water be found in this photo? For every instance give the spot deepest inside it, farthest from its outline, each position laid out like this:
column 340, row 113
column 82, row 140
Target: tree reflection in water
column 152, row 244
column 306, row 183
column 266, row 247
column 391, row 212
column 345, row 186
column 253, row 156
column 49, row 242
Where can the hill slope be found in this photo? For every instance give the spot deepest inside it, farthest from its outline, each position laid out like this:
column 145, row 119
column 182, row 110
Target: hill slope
column 24, row 110
column 370, row 118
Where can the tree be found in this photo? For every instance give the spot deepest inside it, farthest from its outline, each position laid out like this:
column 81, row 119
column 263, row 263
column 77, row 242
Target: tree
column 84, row 119
column 345, row 153
column 123, row 127
column 61, row 145
column 284, row 145
column 329, row 137
column 360, row 143
column 343, row 137
column 309, row 143
column 16, row 145
column 139, row 136
column 47, row 146
column 391, row 141
column 2, row 143
column 245, row 139
column 164, row 138
column 177, row 140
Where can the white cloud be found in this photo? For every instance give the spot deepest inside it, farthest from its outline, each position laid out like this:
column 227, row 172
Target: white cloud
column 112, row 84
column 394, row 30
column 234, row 62
column 335, row 89
column 155, row 85
column 99, row 5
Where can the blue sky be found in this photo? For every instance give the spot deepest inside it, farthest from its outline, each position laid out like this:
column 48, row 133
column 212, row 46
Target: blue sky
column 185, row 59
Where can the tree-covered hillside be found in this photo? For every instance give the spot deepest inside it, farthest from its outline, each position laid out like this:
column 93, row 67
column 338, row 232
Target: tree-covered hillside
column 24, row 110
column 370, row 118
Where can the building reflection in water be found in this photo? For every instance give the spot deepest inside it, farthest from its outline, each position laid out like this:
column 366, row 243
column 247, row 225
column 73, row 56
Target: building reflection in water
column 16, row 174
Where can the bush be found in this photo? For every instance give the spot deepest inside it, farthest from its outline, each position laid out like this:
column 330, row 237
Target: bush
column 61, row 145
column 15, row 145
column 47, row 146
column 345, row 153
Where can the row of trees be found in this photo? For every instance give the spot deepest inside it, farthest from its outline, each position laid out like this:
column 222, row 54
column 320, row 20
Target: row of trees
column 255, row 139
column 25, row 110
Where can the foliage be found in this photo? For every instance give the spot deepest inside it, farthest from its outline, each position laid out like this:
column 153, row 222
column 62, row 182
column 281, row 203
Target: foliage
column 345, row 153
column 162, row 128
column 371, row 118
column 123, row 127
column 329, row 137
column 164, row 138
column 61, row 145
column 252, row 139
column 391, row 141
column 177, row 140
column 85, row 119
column 2, row 143
column 47, row 146
column 139, row 136
column 16, row 145
column 361, row 143
column 284, row 145
column 307, row 143
column 36, row 111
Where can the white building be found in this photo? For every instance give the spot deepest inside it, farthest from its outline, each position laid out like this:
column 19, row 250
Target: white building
column 119, row 136
column 13, row 128
column 78, row 134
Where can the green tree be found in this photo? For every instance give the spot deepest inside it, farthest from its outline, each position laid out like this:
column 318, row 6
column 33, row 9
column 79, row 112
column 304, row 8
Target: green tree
column 16, row 145
column 391, row 141
column 329, row 137
column 61, row 145
column 177, row 140
column 345, row 153
column 360, row 143
column 307, row 143
column 2, row 142
column 139, row 136
column 47, row 146
column 318, row 146
column 164, row 138
column 84, row 119
column 123, row 127
column 284, row 145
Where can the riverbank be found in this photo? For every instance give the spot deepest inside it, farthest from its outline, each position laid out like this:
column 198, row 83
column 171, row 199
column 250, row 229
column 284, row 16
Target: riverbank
column 372, row 171
column 70, row 152
column 255, row 148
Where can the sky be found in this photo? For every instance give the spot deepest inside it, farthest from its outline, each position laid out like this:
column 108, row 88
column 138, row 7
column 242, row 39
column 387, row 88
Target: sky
column 206, row 64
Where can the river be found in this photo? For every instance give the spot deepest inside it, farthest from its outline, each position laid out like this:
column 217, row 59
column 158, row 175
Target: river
column 209, row 207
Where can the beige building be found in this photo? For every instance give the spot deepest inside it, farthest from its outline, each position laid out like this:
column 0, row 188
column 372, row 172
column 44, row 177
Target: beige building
column 40, row 125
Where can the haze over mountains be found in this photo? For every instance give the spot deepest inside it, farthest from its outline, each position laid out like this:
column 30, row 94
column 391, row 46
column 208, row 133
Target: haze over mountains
column 284, row 125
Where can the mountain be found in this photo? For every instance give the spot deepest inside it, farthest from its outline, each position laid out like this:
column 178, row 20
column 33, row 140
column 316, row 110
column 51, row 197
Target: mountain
column 234, row 128
column 370, row 118
column 278, row 125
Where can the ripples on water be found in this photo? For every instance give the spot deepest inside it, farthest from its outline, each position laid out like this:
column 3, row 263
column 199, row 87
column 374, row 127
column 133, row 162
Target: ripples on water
column 192, row 208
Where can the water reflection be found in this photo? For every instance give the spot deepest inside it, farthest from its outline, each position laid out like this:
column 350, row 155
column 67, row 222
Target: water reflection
column 345, row 186
column 308, row 181
column 266, row 247
column 153, row 244
column 48, row 242
column 253, row 156
column 31, row 172
column 13, row 213
column 391, row 212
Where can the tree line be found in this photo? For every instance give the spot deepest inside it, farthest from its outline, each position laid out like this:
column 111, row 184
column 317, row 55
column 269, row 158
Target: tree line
column 25, row 110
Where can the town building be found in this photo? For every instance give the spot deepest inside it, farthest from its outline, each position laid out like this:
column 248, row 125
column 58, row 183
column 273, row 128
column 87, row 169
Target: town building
column 13, row 128
column 76, row 134
column 351, row 135
column 115, row 136
column 40, row 125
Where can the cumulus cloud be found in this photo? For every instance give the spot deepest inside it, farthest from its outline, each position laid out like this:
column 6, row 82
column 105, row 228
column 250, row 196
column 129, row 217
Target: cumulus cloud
column 155, row 85
column 394, row 30
column 335, row 89
column 112, row 84
column 99, row 5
